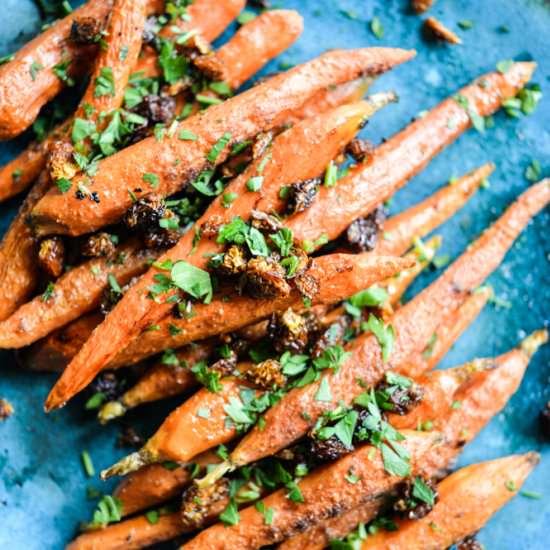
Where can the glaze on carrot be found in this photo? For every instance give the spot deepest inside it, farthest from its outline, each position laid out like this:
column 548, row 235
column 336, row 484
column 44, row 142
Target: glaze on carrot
column 321, row 139
column 404, row 155
column 413, row 325
column 467, row 500
column 239, row 118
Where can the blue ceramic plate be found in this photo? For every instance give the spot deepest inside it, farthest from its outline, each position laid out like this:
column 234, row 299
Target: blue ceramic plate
column 43, row 486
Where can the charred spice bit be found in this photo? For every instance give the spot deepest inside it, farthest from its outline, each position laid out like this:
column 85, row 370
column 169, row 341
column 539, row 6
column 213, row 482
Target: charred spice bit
column 265, row 278
column 545, row 421
column 417, row 498
column 288, row 331
column 6, row 409
column 267, row 374
column 360, row 149
column 301, row 195
column 85, row 31
column 51, row 256
column 362, row 234
column 198, row 503
column 469, row 543
column 436, row 29
column 99, row 245
column 60, row 161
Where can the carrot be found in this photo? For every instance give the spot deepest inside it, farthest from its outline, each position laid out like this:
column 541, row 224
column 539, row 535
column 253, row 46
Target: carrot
column 420, row 6
column 160, row 381
column 256, row 43
column 18, row 273
column 321, row 139
column 325, row 492
column 208, row 17
column 412, row 325
column 157, row 483
column 425, row 216
column 132, row 534
column 75, row 293
column 404, row 155
column 54, row 352
column 237, row 119
column 446, row 334
column 467, row 500
column 483, row 388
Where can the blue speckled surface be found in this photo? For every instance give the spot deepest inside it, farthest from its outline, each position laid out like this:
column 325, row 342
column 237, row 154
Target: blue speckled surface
column 43, row 486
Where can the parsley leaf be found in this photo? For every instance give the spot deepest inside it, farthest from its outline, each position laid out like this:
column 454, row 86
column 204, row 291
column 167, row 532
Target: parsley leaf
column 196, row 282
column 423, row 492
column 384, row 334
column 105, row 83
column 230, row 516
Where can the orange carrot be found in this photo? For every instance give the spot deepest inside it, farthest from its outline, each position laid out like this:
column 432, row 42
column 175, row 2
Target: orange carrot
column 467, row 500
column 75, row 293
column 412, row 325
column 242, row 117
column 321, row 138
column 403, row 156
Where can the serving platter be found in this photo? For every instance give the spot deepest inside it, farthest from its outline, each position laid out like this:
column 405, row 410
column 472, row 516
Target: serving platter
column 42, row 483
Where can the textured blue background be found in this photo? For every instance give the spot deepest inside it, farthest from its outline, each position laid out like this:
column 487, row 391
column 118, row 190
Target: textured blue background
column 43, row 486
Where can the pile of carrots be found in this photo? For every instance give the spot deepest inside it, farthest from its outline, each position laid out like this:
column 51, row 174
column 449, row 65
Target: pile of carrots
column 220, row 247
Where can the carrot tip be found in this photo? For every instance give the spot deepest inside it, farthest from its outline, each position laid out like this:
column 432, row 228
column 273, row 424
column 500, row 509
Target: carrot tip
column 129, row 464
column 533, row 342
column 533, row 457
column 216, row 473
column 110, row 411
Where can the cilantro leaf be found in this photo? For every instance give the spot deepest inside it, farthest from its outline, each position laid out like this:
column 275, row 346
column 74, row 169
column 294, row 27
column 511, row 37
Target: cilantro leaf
column 196, row 282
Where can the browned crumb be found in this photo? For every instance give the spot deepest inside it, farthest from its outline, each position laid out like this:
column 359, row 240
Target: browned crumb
column 51, row 256
column 420, row 6
column 265, row 278
column 360, row 149
column 288, row 331
column 60, row 161
column 198, row 504
column 98, row 245
column 267, row 374
column 440, row 31
column 6, row 409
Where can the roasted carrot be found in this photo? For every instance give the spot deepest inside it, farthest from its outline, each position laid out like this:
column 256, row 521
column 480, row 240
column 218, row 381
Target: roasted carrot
column 160, row 381
column 467, row 500
column 324, row 492
column 322, row 138
column 413, row 325
column 420, row 6
column 404, row 155
column 132, row 534
column 18, row 273
column 237, row 119
column 425, row 216
column 157, row 483
column 254, row 44
column 446, row 334
column 482, row 389
column 54, row 352
column 75, row 293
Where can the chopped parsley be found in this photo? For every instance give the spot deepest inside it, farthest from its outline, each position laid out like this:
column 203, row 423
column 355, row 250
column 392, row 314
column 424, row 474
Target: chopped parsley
column 49, row 292
column 376, row 28
column 109, row 510
column 533, row 171
column 61, row 71
column 421, row 491
column 63, row 184
column 151, row 179
column 267, row 513
column 384, row 334
column 87, row 464
column 34, row 69
column 196, row 282
column 230, row 516
column 187, row 135
column 218, row 147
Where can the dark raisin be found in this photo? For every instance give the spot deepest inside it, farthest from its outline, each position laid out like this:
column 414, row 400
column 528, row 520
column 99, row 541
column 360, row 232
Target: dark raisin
column 225, row 365
column 288, row 331
column 108, row 384
column 407, row 506
column 145, row 214
column 301, row 195
column 98, row 245
column 328, row 449
column 51, row 256
column 360, row 149
column 85, row 30
column 331, row 335
column 109, row 299
column 545, row 420
column 156, row 109
column 362, row 234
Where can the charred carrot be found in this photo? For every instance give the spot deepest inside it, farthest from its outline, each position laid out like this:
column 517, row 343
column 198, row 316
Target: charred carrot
column 404, row 155
column 482, row 388
column 54, row 352
column 75, row 293
column 467, row 500
column 157, row 483
column 425, row 216
column 322, row 138
column 446, row 334
column 18, row 273
column 237, row 119
column 367, row 363
column 160, row 381
column 132, row 534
